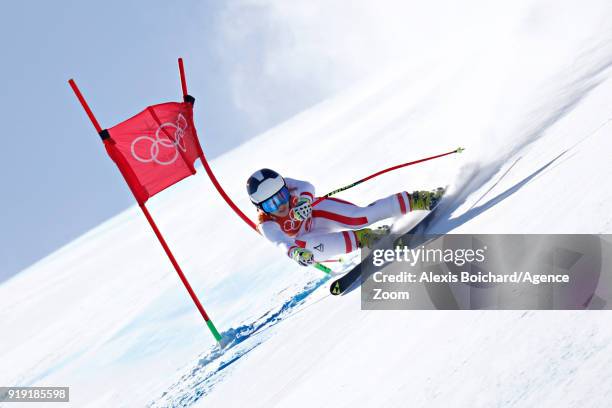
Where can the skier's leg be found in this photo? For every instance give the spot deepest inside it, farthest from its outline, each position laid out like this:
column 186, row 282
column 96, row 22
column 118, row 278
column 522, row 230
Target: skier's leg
column 334, row 214
column 335, row 221
column 328, row 245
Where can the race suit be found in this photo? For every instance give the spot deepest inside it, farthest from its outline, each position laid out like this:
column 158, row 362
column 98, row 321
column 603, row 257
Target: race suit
column 328, row 232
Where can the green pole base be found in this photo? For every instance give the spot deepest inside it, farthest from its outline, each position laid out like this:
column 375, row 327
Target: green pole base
column 213, row 330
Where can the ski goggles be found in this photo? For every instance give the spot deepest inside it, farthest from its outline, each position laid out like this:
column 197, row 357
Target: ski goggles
column 276, row 201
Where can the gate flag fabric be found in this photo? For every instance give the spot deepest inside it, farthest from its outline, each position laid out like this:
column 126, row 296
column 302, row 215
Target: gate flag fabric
column 155, row 148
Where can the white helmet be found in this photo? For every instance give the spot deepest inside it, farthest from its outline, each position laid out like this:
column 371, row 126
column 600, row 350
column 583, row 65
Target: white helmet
column 264, row 184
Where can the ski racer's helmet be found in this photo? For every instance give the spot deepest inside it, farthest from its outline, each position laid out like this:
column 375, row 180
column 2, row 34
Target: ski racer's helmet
column 267, row 190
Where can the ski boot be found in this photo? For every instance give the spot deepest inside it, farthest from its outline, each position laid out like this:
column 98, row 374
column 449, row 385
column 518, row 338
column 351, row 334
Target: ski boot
column 367, row 237
column 426, row 200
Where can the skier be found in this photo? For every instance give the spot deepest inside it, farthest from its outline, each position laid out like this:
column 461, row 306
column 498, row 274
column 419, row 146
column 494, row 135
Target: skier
column 333, row 227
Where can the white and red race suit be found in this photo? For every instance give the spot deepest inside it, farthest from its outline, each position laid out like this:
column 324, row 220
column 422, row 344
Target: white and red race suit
column 328, row 232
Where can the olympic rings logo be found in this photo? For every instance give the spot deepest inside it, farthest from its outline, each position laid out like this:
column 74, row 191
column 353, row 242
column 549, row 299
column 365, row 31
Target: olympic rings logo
column 291, row 224
column 162, row 140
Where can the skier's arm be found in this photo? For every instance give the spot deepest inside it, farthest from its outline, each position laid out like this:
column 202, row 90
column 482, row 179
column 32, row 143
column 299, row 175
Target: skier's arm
column 274, row 234
column 300, row 188
column 303, row 192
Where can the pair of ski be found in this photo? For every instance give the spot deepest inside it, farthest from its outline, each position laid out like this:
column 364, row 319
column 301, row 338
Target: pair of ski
column 349, row 280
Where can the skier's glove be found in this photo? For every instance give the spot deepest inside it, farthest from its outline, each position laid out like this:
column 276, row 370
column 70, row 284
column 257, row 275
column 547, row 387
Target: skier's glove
column 302, row 256
column 302, row 209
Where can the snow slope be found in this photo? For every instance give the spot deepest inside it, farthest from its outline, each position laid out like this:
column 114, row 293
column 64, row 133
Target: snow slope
column 532, row 103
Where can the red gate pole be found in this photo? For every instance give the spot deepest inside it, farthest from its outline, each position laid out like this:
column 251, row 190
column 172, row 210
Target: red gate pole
column 213, row 178
column 158, row 234
column 180, row 273
column 207, row 168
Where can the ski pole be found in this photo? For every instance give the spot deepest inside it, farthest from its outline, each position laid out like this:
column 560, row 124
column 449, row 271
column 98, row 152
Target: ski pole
column 333, row 260
column 322, row 267
column 371, row 176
